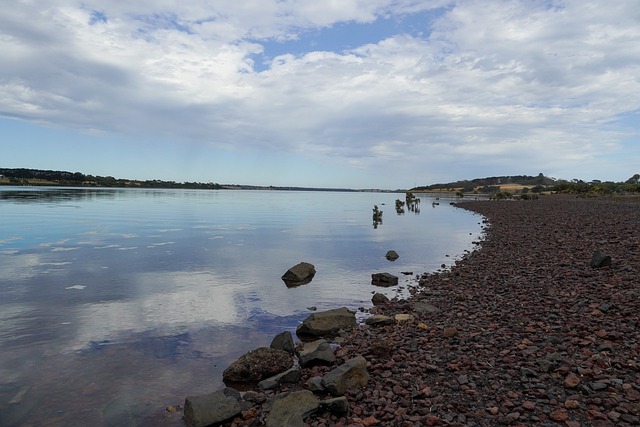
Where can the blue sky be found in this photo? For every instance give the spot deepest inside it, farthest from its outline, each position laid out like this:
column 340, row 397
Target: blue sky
column 362, row 94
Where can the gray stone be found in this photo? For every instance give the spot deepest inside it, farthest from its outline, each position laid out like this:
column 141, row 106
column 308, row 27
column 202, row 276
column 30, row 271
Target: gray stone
column 379, row 299
column 379, row 320
column 204, row 410
column 289, row 376
column 284, row 341
column 424, row 308
column 599, row 260
column 257, row 365
column 291, row 410
column 392, row 255
column 384, row 279
column 327, row 322
column 337, row 406
column 299, row 274
column 315, row 384
column 351, row 374
column 316, row 352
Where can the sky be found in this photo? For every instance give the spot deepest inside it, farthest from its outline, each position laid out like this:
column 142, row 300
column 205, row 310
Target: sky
column 336, row 93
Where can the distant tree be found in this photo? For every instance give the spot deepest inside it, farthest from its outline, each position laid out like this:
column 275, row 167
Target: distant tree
column 635, row 179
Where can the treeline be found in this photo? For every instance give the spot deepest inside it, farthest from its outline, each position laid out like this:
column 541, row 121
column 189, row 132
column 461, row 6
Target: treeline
column 596, row 187
column 77, row 179
column 490, row 184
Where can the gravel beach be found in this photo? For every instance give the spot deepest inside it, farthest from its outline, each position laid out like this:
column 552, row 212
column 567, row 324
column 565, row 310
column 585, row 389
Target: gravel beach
column 520, row 332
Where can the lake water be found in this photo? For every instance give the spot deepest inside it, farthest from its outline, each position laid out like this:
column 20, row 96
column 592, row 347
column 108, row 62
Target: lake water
column 115, row 303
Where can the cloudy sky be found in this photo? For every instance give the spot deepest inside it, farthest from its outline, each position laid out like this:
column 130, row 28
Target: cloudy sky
column 334, row 93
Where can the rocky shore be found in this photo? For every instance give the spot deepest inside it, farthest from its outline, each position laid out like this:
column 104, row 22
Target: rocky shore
column 523, row 332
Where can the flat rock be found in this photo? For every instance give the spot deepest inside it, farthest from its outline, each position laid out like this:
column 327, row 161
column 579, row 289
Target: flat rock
column 292, row 409
column 327, row 322
column 292, row 375
column 316, row 352
column 404, row 317
column 384, row 279
column 213, row 408
column 379, row 320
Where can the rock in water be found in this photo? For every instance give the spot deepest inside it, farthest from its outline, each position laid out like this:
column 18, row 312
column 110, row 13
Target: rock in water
column 201, row 411
column 392, row 255
column 299, row 274
column 327, row 322
column 257, row 365
column 384, row 279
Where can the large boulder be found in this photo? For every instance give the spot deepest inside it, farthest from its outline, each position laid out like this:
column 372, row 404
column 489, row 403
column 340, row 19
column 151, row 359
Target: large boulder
column 299, row 274
column 291, row 410
column 204, row 410
column 384, row 279
column 351, row 374
column 257, row 365
column 328, row 322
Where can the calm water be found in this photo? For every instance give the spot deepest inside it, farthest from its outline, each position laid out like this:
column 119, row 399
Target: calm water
column 117, row 303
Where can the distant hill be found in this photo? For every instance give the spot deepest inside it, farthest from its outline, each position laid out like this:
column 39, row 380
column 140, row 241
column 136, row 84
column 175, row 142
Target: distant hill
column 491, row 184
column 38, row 177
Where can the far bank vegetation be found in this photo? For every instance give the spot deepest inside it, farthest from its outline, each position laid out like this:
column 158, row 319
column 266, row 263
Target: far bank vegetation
column 528, row 187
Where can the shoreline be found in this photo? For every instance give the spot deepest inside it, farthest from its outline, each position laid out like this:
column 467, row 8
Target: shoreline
column 522, row 331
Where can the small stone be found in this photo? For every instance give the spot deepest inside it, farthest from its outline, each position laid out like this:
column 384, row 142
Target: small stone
column 404, row 318
column 528, row 405
column 450, row 332
column 369, row 421
column 493, row 410
column 571, row 381
column 571, row 404
column 559, row 415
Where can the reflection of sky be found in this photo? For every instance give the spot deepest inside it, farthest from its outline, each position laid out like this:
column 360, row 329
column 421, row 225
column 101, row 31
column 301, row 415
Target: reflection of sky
column 166, row 261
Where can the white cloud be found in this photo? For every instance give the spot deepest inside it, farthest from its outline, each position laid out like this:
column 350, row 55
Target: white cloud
column 535, row 80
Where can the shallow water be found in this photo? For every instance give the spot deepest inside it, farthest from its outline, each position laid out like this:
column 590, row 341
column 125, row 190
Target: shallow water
column 116, row 303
